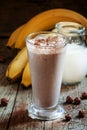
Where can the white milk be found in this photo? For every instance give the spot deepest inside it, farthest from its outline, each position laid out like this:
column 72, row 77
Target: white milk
column 75, row 66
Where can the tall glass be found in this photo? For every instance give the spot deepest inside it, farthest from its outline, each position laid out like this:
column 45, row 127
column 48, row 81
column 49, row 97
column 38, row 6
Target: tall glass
column 46, row 51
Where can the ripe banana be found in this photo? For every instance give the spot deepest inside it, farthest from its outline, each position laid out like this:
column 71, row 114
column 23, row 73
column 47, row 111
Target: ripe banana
column 54, row 30
column 46, row 21
column 12, row 39
column 26, row 78
column 15, row 68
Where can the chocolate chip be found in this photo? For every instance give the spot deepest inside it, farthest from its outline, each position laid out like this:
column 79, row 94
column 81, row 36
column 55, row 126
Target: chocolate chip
column 77, row 101
column 69, row 100
column 81, row 114
column 67, row 117
column 4, row 102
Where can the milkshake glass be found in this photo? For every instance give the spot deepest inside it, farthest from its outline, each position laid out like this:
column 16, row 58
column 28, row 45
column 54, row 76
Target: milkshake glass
column 46, row 51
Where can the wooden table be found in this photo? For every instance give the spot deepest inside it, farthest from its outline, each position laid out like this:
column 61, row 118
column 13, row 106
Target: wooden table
column 14, row 116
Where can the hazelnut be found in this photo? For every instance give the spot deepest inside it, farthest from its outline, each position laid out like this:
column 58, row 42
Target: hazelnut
column 67, row 117
column 4, row 102
column 69, row 100
column 77, row 101
column 84, row 95
column 81, row 114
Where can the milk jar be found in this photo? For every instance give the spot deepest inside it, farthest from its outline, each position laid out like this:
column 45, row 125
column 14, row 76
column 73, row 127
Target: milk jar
column 75, row 65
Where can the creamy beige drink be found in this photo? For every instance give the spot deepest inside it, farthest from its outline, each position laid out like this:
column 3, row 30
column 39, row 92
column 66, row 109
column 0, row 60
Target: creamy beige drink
column 46, row 56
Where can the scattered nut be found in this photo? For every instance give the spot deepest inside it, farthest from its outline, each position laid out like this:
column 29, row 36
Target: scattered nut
column 67, row 117
column 77, row 101
column 84, row 95
column 4, row 102
column 81, row 114
column 69, row 100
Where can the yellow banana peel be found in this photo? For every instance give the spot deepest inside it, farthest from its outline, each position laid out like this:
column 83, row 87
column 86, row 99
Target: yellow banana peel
column 15, row 68
column 26, row 78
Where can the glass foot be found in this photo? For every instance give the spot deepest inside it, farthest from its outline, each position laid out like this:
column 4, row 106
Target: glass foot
column 46, row 114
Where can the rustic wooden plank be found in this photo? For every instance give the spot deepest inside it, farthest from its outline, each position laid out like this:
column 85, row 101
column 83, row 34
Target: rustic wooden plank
column 20, row 110
column 48, row 125
column 7, row 90
column 75, row 123
column 23, row 121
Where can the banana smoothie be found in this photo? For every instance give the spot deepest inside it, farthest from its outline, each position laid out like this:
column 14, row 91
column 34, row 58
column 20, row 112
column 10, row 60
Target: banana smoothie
column 46, row 56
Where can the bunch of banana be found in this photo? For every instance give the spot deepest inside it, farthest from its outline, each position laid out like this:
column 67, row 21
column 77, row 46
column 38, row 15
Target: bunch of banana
column 19, row 66
column 43, row 21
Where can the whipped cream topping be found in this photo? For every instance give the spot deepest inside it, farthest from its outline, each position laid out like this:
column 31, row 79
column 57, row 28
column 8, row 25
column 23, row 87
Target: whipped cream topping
column 48, row 40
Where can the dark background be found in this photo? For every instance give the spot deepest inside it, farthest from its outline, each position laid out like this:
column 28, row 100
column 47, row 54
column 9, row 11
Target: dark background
column 14, row 13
